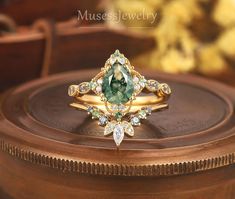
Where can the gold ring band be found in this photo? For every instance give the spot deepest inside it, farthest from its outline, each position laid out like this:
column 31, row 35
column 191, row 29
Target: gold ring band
column 141, row 100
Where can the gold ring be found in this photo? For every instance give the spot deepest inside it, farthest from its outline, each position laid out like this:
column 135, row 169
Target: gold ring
column 112, row 97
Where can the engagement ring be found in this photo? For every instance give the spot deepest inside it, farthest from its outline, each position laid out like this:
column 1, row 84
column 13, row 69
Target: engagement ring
column 114, row 97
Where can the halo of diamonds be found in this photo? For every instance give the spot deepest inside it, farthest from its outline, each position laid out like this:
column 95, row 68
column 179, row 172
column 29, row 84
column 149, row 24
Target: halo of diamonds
column 112, row 120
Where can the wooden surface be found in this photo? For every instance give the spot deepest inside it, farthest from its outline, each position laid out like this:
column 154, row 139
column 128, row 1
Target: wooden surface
column 72, row 48
column 184, row 152
column 25, row 12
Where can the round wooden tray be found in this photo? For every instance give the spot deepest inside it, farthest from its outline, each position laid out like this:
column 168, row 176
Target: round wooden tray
column 40, row 133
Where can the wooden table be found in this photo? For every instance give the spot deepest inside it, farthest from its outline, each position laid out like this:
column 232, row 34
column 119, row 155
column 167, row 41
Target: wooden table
column 49, row 150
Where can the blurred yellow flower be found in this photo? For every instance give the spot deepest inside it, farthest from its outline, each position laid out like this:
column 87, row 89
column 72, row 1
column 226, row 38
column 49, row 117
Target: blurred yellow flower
column 175, row 61
column 211, row 61
column 226, row 42
column 224, row 13
column 191, row 36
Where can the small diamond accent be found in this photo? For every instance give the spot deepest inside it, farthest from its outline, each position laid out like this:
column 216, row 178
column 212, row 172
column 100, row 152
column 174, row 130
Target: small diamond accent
column 90, row 109
column 112, row 60
column 121, row 60
column 135, row 121
column 148, row 110
column 72, row 90
column 103, row 120
column 142, row 82
column 115, row 107
column 100, row 81
column 136, row 80
column 98, row 89
column 137, row 87
column 121, row 107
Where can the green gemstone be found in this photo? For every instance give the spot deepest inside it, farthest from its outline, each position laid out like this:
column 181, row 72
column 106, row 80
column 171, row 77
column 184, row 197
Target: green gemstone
column 118, row 85
column 93, row 85
column 142, row 114
column 95, row 114
column 118, row 115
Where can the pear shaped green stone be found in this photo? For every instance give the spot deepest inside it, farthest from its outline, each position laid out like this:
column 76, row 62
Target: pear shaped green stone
column 117, row 85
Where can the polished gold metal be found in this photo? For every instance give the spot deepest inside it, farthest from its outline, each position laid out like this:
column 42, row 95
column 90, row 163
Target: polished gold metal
column 141, row 100
column 155, row 107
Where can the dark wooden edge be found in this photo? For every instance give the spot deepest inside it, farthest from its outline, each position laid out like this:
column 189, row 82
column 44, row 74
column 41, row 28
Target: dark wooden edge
column 92, row 168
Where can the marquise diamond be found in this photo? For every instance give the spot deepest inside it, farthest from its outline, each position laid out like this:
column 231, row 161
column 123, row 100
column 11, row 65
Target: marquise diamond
column 128, row 128
column 72, row 90
column 118, row 134
column 152, row 85
column 119, row 129
column 165, row 88
column 109, row 128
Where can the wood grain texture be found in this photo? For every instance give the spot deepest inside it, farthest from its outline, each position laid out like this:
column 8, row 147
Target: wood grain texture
column 186, row 151
column 25, row 12
column 73, row 48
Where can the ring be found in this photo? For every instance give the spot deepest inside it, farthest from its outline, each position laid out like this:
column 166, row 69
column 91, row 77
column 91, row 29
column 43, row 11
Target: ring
column 115, row 97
